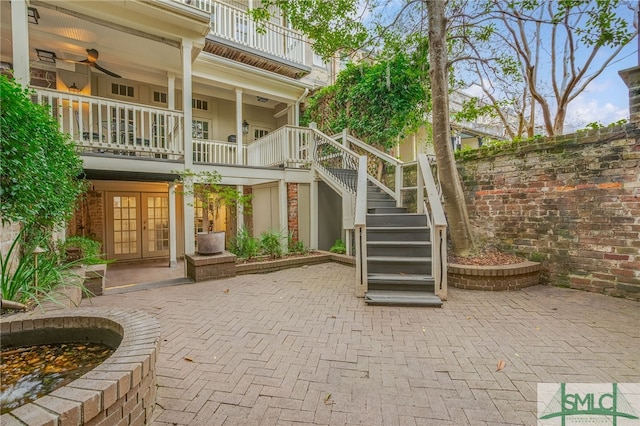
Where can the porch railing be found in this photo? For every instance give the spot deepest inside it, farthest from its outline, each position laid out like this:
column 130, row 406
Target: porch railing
column 106, row 126
column 289, row 145
column 217, row 152
column 236, row 25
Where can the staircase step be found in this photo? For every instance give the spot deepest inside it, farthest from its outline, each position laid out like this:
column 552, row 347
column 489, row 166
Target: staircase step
column 401, row 282
column 399, row 248
column 386, row 210
column 402, row 298
column 379, row 196
column 398, row 265
column 397, row 219
column 381, row 203
column 398, row 233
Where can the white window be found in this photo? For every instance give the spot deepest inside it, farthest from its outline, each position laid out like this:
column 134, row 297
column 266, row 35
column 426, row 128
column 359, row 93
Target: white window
column 159, row 97
column 122, row 90
column 318, row 61
column 200, row 129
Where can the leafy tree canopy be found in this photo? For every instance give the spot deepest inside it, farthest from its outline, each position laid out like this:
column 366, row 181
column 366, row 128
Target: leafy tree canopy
column 39, row 166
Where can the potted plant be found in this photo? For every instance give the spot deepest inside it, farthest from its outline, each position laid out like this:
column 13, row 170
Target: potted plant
column 205, row 187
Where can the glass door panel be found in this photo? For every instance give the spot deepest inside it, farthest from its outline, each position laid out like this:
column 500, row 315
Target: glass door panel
column 155, row 225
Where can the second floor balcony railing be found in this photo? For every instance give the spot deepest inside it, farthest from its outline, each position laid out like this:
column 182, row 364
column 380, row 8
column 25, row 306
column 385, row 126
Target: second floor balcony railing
column 107, row 126
column 234, row 24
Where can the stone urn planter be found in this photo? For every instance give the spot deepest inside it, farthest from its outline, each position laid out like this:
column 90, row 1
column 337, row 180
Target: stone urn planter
column 494, row 278
column 210, row 242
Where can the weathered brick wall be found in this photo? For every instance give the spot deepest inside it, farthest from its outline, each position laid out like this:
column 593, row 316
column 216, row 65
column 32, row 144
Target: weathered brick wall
column 572, row 201
column 292, row 212
column 88, row 218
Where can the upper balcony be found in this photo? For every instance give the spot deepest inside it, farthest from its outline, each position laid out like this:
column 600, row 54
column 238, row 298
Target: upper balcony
column 267, row 45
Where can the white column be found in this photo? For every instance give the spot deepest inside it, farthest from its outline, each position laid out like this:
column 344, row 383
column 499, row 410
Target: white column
column 173, row 247
column 239, row 211
column 20, row 40
column 186, row 102
column 284, row 214
column 189, row 238
column 239, row 120
column 171, row 91
column 313, row 213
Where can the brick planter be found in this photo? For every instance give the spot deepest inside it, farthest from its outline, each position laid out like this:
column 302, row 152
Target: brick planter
column 121, row 390
column 278, row 264
column 494, row 278
column 210, row 267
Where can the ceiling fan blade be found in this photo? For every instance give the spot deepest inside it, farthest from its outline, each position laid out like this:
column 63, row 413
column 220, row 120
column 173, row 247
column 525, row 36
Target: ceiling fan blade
column 106, row 71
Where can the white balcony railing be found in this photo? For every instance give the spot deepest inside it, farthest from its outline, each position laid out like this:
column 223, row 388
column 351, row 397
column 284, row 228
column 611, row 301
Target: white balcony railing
column 107, row 126
column 236, row 25
column 217, row 152
column 287, row 145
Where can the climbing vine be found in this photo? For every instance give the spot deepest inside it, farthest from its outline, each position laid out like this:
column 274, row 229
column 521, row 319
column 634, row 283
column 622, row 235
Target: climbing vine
column 378, row 102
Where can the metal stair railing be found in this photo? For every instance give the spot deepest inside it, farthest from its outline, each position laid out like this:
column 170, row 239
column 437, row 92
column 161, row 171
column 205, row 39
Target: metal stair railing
column 377, row 162
column 335, row 160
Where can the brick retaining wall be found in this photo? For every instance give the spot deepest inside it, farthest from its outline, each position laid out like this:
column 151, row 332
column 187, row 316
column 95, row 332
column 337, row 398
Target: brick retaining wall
column 121, row 390
column 572, row 202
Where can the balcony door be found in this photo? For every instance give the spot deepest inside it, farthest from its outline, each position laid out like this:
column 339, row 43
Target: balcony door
column 137, row 225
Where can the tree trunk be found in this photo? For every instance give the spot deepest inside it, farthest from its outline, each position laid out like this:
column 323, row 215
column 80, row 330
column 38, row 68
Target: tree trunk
column 454, row 202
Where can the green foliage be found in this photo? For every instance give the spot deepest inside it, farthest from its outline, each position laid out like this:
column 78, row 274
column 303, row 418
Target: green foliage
column 89, row 250
column 296, row 247
column 331, row 25
column 39, row 170
column 338, row 247
column 598, row 125
column 24, row 280
column 377, row 102
column 271, row 243
column 244, row 245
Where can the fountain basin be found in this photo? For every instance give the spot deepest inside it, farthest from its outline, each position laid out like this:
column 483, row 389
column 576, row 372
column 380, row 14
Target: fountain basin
column 121, row 390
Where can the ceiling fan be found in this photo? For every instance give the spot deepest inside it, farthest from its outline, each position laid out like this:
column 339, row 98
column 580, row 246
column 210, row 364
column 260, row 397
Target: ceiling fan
column 92, row 61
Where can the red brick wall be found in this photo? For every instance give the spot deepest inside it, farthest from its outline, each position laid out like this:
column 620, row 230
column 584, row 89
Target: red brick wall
column 292, row 210
column 88, row 219
column 571, row 201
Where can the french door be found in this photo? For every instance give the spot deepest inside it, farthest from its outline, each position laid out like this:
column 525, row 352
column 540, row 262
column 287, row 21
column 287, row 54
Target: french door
column 137, row 225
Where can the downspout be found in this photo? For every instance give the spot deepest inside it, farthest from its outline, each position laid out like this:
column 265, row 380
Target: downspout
column 296, row 112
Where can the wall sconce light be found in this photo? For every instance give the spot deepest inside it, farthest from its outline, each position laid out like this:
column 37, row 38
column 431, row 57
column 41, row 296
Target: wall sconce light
column 73, row 88
column 261, row 99
column 32, row 15
column 46, row 56
column 245, row 127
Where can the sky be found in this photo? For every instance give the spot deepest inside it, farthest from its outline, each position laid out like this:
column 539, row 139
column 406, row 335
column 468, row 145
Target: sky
column 606, row 99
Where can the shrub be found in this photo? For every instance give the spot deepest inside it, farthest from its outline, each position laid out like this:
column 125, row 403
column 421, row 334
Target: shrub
column 32, row 278
column 296, row 247
column 244, row 245
column 271, row 243
column 89, row 250
column 338, row 247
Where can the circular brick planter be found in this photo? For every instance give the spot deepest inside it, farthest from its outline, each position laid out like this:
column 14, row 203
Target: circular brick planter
column 493, row 278
column 121, row 390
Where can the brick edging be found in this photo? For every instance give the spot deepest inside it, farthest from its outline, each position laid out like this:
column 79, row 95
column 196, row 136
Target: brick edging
column 494, row 278
column 496, row 270
column 121, row 390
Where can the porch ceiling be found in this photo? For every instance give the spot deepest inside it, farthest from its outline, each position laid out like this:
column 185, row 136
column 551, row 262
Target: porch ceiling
column 129, row 42
column 229, row 74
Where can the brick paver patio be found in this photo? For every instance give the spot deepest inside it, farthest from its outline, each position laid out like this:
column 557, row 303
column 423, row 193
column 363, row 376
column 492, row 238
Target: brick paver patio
column 296, row 347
